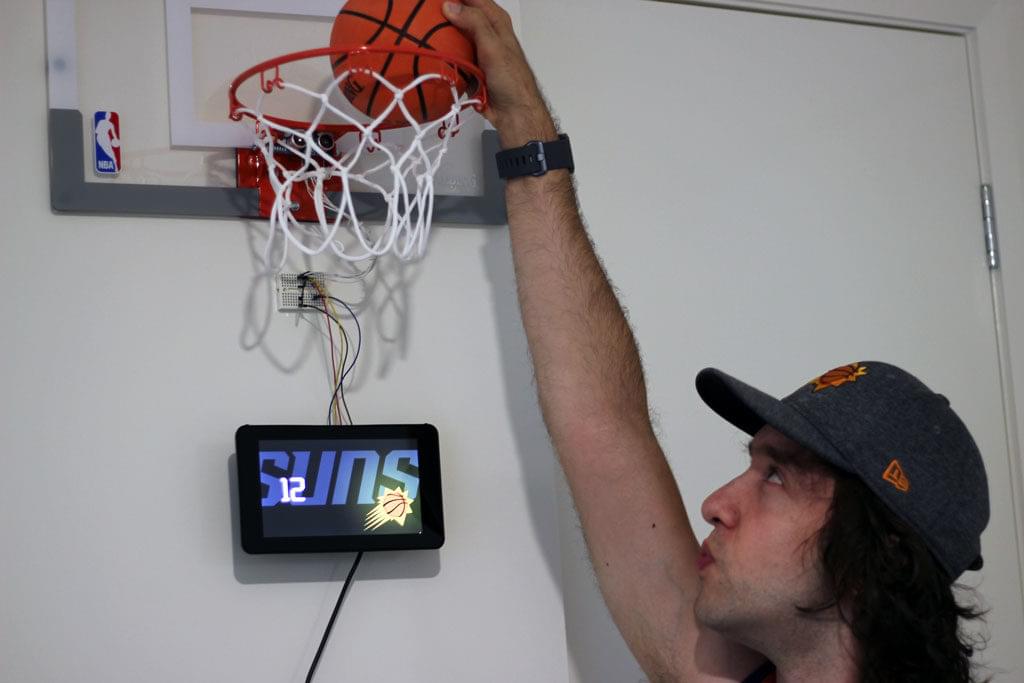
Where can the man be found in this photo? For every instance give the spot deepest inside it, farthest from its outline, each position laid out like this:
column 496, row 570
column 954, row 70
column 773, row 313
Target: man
column 831, row 558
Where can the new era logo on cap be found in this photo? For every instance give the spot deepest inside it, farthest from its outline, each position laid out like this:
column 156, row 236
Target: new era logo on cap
column 894, row 475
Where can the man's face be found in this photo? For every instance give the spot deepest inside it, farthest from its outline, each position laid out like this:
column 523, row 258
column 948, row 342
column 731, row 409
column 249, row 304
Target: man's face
column 763, row 550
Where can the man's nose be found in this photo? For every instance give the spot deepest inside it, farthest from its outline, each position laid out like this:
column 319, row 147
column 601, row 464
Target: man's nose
column 720, row 509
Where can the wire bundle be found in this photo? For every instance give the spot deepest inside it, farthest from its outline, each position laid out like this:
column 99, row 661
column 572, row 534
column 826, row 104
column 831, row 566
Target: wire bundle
column 341, row 366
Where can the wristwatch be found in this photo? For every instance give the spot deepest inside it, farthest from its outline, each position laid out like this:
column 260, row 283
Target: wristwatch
column 535, row 158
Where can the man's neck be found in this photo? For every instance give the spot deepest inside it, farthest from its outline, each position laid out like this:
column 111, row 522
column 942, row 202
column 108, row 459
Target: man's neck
column 814, row 649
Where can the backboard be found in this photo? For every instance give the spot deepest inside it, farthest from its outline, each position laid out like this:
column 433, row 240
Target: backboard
column 158, row 74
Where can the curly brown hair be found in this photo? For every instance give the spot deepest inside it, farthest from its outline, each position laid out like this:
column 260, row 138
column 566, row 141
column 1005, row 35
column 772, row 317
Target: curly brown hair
column 893, row 594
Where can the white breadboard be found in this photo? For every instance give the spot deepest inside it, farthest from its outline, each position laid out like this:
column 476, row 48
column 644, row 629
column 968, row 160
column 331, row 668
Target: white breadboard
column 299, row 290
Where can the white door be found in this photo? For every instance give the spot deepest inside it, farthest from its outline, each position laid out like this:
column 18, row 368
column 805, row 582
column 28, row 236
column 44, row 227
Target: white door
column 775, row 196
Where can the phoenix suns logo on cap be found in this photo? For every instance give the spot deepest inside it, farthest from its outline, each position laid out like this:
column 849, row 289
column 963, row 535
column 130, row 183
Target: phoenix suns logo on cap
column 839, row 376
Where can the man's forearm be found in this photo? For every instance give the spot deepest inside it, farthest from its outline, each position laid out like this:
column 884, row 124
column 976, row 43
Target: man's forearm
column 588, row 369
column 589, row 376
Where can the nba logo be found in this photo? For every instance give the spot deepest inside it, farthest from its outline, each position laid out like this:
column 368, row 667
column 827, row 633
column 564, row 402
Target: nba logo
column 106, row 128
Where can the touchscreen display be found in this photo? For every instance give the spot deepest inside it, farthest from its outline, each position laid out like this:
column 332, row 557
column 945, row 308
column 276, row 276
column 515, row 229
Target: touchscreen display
column 339, row 487
column 306, row 488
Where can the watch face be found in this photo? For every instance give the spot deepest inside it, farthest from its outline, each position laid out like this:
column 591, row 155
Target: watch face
column 317, row 489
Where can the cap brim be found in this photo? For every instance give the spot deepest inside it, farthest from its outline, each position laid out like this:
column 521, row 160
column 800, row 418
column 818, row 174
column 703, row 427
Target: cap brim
column 750, row 409
column 741, row 404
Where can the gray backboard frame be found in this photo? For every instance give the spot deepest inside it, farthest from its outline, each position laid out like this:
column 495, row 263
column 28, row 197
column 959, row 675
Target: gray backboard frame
column 71, row 192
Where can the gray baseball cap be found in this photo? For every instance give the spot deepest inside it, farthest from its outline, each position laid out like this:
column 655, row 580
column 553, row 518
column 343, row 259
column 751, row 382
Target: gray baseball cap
column 885, row 426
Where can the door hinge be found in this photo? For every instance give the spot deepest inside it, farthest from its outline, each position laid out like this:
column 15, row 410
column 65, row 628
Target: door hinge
column 988, row 217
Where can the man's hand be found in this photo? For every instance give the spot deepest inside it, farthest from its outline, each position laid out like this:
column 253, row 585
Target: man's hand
column 516, row 107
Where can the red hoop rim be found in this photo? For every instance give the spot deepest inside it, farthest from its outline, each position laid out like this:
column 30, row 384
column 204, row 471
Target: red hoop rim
column 274, row 64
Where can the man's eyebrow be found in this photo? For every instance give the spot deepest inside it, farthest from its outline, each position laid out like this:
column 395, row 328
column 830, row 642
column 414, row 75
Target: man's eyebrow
column 781, row 457
column 767, row 449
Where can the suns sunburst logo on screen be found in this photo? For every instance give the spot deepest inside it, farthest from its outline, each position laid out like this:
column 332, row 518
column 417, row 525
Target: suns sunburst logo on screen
column 394, row 505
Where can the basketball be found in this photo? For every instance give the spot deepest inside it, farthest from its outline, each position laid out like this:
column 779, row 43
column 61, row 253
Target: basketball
column 406, row 23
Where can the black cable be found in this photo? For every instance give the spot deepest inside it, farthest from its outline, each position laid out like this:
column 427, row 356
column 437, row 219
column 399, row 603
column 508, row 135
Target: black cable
column 334, row 614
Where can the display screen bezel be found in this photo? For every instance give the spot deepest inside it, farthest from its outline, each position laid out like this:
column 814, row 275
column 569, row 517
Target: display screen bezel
column 247, row 449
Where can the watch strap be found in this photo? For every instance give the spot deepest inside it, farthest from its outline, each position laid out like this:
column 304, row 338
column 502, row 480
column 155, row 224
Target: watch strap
column 535, row 158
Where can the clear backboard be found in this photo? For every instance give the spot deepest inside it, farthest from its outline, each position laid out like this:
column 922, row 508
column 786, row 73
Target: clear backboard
column 157, row 75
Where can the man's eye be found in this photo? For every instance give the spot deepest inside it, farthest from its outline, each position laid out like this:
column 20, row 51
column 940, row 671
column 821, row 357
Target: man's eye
column 773, row 476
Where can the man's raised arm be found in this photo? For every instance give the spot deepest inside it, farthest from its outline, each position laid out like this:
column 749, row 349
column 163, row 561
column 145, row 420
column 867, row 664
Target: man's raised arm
column 591, row 386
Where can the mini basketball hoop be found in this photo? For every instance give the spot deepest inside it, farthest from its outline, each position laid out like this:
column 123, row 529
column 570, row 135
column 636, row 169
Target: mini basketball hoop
column 306, row 169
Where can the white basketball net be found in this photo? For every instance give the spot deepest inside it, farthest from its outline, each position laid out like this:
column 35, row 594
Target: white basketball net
column 403, row 178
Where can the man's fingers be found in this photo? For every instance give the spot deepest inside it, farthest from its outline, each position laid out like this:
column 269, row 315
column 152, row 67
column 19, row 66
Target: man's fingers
column 472, row 20
column 494, row 12
column 510, row 82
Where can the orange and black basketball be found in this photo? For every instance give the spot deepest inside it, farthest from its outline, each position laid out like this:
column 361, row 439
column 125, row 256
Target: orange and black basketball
column 406, row 23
